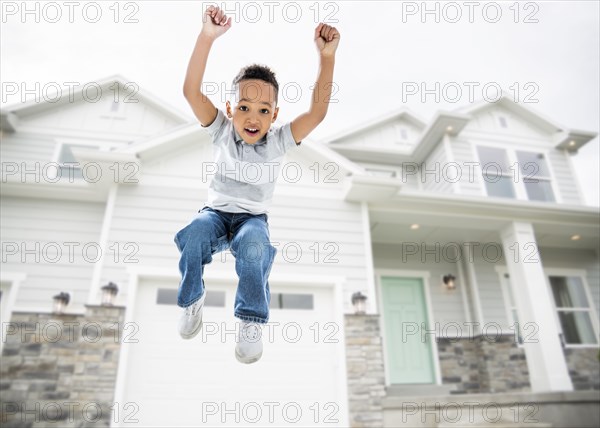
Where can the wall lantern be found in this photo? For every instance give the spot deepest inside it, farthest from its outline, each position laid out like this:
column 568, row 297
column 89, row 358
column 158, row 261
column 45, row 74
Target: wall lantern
column 359, row 303
column 449, row 281
column 61, row 300
column 109, row 292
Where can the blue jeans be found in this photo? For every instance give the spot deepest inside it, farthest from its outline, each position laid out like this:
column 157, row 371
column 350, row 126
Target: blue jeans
column 247, row 235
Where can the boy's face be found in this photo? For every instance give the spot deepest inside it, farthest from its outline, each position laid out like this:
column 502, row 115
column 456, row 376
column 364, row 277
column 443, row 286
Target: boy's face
column 254, row 111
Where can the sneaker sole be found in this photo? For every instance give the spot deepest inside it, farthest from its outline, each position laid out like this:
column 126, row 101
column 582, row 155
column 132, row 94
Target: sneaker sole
column 248, row 360
column 192, row 334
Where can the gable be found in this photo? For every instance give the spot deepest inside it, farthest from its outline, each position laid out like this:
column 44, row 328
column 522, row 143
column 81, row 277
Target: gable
column 397, row 133
column 103, row 118
column 501, row 120
column 112, row 109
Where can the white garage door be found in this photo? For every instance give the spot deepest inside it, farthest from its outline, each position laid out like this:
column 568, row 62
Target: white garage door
column 173, row 382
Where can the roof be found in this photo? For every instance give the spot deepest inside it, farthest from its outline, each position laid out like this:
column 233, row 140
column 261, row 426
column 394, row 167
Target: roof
column 9, row 114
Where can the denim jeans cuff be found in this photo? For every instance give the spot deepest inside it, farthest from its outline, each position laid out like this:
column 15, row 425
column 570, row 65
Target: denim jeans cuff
column 251, row 318
column 189, row 304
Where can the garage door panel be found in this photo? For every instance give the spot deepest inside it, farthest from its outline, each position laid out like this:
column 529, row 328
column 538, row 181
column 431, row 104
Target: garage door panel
column 177, row 382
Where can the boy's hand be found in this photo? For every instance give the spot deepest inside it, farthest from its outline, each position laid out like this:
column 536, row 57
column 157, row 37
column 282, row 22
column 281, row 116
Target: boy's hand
column 327, row 39
column 215, row 22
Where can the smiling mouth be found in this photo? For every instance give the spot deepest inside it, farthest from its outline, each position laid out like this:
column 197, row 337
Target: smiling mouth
column 251, row 131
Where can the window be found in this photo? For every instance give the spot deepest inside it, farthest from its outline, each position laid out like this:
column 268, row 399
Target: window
column 574, row 311
column 516, row 174
column 381, row 172
column 291, row 301
column 168, row 296
column 497, row 176
column 536, row 176
column 403, row 134
column 69, row 166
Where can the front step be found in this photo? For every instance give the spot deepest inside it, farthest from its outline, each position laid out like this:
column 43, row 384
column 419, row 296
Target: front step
column 510, row 410
column 418, row 390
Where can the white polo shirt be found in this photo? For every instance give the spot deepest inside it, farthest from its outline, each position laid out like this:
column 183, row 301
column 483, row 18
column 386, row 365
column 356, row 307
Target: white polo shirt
column 245, row 174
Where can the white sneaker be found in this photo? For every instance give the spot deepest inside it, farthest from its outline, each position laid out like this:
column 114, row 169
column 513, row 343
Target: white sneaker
column 190, row 322
column 249, row 345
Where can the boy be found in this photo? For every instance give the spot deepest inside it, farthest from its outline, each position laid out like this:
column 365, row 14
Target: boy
column 235, row 214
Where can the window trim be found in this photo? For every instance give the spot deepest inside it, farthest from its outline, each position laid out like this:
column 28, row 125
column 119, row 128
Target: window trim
column 519, row 186
column 548, row 272
column 550, row 177
column 373, row 167
column 581, row 274
column 60, row 144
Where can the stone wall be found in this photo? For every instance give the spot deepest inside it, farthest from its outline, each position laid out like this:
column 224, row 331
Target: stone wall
column 60, row 370
column 483, row 364
column 584, row 367
column 366, row 377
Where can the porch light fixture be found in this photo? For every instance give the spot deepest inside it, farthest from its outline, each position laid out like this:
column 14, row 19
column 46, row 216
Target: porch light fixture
column 575, row 237
column 449, row 281
column 449, row 128
column 61, row 300
column 414, row 226
column 358, row 301
column 572, row 143
column 109, row 292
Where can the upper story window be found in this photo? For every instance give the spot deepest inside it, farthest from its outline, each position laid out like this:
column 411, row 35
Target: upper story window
column 68, row 167
column 516, row 174
column 536, row 176
column 496, row 170
column 67, row 163
column 573, row 309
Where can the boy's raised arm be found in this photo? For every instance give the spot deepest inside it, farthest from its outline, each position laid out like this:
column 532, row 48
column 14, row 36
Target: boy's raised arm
column 215, row 24
column 326, row 39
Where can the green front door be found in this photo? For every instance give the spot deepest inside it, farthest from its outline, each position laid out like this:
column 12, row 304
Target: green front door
column 408, row 349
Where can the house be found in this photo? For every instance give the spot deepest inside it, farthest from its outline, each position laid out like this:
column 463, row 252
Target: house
column 467, row 234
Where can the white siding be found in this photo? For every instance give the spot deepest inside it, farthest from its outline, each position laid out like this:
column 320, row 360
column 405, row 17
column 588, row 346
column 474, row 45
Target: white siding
column 386, row 135
column 147, row 217
column 431, row 171
column 50, row 225
column 564, row 177
column 26, row 148
column 135, row 118
column 447, row 305
column 486, row 257
column 471, row 182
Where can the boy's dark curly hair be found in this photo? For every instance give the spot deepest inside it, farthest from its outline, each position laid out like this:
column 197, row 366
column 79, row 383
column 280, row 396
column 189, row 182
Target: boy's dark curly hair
column 259, row 72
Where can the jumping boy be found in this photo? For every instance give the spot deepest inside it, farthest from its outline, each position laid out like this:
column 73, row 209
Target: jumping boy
column 235, row 213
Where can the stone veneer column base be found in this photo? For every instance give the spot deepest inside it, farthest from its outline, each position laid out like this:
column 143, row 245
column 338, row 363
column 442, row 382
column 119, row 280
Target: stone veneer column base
column 60, row 370
column 366, row 376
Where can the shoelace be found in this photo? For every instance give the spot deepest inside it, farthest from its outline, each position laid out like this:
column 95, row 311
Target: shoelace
column 253, row 329
column 193, row 309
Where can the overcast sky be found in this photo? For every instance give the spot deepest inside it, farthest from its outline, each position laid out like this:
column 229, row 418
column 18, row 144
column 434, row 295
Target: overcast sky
column 554, row 61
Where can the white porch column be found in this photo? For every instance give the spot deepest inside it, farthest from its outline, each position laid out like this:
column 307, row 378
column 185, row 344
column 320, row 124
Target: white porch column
column 545, row 358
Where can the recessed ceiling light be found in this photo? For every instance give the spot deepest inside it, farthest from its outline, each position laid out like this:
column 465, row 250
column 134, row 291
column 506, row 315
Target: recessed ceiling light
column 449, row 128
column 572, row 143
column 575, row 238
column 414, row 226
